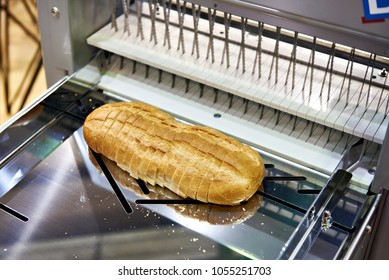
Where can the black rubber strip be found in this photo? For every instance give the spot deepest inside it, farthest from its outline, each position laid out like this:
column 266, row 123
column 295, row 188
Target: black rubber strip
column 167, row 201
column 13, row 212
column 113, row 184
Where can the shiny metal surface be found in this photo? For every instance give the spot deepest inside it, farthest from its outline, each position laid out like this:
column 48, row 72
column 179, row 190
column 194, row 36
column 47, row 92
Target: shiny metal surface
column 73, row 213
column 71, row 210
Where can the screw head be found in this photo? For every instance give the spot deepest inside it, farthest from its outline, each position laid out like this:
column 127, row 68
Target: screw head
column 55, row 12
column 383, row 73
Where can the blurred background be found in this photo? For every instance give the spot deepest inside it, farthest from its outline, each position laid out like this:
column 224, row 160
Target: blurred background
column 22, row 78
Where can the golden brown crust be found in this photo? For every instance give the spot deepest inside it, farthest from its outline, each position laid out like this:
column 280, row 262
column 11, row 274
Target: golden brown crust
column 203, row 212
column 192, row 161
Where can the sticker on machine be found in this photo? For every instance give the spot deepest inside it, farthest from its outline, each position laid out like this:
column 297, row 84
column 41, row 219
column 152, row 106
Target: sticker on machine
column 375, row 10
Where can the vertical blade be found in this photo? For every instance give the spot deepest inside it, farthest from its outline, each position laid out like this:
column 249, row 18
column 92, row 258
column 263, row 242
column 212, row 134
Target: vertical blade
column 242, row 50
column 310, row 66
column 350, row 75
column 226, row 48
column 211, row 48
column 166, row 16
column 153, row 32
column 292, row 61
column 181, row 13
column 126, row 15
column 275, row 59
column 139, row 17
column 364, row 80
column 345, row 75
column 370, row 81
column 329, row 63
column 258, row 53
column 331, row 70
column 113, row 14
column 196, row 16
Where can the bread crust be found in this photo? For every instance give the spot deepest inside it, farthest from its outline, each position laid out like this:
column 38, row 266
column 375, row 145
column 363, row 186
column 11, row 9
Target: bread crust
column 192, row 161
column 204, row 212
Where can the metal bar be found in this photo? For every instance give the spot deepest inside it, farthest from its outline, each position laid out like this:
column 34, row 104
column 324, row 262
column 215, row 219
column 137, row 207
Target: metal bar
column 166, row 15
column 139, row 31
column 242, row 51
column 181, row 13
column 381, row 94
column 226, row 48
column 353, row 246
column 114, row 23
column 275, row 55
column 350, row 75
column 330, row 58
column 211, row 48
column 258, row 53
column 196, row 16
column 153, row 32
column 345, row 74
column 310, row 227
column 125, row 4
column 370, row 81
column 292, row 61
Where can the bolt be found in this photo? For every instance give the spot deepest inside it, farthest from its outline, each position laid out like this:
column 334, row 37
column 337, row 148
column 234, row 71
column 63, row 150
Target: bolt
column 326, row 220
column 383, row 73
column 371, row 171
column 55, row 12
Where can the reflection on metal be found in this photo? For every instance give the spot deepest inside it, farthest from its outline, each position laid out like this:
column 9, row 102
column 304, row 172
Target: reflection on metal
column 68, row 200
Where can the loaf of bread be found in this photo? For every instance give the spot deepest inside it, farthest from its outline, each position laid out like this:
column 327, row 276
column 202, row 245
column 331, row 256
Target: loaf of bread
column 213, row 214
column 192, row 161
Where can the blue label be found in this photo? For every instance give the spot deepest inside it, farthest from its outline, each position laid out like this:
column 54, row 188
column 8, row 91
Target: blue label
column 376, row 9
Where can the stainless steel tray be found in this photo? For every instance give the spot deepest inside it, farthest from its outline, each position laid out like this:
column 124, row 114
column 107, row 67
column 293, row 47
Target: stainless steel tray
column 57, row 203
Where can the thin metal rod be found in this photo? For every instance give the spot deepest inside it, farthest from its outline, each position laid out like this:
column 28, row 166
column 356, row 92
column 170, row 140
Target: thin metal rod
column 196, row 16
column 139, row 31
column 242, row 49
column 275, row 55
column 125, row 4
column 114, row 23
column 181, row 10
column 370, row 81
column 166, row 15
column 349, row 62
column 364, row 80
column 211, row 48
column 153, row 31
column 330, row 58
column 226, row 49
column 292, row 61
column 258, row 53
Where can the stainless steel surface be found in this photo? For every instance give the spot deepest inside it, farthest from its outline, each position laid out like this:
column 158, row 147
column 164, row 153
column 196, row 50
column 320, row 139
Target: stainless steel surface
column 358, row 247
column 378, row 247
column 63, row 36
column 73, row 212
column 335, row 21
column 307, row 80
column 381, row 174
